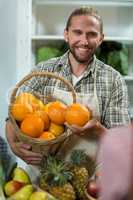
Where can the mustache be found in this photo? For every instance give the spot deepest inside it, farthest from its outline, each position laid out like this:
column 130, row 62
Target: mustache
column 84, row 46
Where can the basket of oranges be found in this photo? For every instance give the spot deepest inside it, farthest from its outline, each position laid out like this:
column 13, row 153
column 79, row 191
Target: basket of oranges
column 39, row 119
column 36, row 122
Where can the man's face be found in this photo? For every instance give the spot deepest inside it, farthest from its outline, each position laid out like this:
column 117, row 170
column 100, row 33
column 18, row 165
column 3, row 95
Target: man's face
column 83, row 37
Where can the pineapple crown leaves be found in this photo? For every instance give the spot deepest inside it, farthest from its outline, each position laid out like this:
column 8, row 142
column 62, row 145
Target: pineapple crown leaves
column 78, row 157
column 56, row 173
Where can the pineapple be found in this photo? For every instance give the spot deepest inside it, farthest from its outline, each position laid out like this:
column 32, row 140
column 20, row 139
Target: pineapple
column 55, row 179
column 80, row 170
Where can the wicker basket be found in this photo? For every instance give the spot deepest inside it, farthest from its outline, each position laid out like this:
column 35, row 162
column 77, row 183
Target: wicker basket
column 40, row 145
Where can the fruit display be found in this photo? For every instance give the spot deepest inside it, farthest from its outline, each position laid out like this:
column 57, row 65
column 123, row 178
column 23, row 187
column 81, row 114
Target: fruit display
column 59, row 180
column 67, row 180
column 20, row 187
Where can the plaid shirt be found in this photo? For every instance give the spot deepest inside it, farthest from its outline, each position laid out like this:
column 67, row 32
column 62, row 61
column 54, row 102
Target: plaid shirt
column 5, row 157
column 111, row 88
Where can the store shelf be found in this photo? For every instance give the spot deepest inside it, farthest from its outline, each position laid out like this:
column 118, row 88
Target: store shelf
column 47, row 37
column 120, row 39
column 81, row 2
column 128, row 78
column 61, row 37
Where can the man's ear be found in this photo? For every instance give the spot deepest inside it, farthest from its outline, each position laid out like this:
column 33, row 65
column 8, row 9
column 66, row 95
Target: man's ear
column 101, row 39
column 66, row 35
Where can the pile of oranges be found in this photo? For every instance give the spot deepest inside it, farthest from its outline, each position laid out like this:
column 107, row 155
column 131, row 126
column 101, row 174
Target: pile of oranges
column 46, row 121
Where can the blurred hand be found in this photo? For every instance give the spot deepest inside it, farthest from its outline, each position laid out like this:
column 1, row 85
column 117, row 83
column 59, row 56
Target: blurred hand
column 19, row 148
column 115, row 154
column 91, row 125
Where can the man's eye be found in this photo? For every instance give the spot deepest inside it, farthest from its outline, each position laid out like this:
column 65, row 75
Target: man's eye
column 77, row 32
column 92, row 34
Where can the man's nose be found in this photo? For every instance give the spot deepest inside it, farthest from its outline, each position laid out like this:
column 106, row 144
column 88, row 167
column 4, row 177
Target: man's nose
column 85, row 39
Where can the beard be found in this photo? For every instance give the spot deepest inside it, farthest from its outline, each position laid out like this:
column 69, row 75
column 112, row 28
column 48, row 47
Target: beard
column 81, row 59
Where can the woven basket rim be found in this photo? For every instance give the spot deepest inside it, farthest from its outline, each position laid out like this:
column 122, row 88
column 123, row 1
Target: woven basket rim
column 47, row 74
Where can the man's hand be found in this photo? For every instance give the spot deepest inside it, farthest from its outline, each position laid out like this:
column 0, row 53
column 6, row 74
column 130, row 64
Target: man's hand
column 91, row 125
column 20, row 149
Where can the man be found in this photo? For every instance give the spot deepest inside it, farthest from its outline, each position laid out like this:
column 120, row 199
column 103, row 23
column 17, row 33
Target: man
column 97, row 85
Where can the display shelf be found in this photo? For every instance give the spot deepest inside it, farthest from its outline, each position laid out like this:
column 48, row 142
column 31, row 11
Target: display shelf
column 47, row 37
column 128, row 78
column 81, row 2
column 127, row 40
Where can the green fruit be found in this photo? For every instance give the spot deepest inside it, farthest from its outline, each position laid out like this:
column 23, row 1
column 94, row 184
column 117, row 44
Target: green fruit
column 12, row 187
column 24, row 193
column 21, row 175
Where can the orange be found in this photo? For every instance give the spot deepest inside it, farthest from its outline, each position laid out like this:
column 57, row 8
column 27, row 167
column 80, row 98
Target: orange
column 19, row 111
column 32, row 126
column 29, row 98
column 45, row 118
column 25, row 97
column 56, row 129
column 47, row 135
column 77, row 114
column 38, row 105
column 56, row 112
column 46, row 107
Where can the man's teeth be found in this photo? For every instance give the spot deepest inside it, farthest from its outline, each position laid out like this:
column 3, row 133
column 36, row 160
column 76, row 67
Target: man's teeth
column 83, row 49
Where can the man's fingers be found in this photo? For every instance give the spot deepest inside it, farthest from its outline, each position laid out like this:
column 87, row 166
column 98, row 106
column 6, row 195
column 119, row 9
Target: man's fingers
column 31, row 154
column 25, row 146
column 32, row 160
column 90, row 124
column 26, row 149
column 27, row 155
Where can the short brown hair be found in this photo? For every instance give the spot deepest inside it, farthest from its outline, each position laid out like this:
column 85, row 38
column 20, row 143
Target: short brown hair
column 85, row 11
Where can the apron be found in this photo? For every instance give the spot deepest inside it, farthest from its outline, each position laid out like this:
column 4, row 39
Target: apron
column 88, row 142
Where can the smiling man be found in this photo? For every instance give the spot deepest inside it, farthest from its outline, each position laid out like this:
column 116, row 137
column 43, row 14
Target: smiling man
column 97, row 85
column 84, row 35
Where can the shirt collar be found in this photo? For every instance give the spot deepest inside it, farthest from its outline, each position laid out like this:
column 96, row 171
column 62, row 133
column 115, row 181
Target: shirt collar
column 91, row 67
column 64, row 63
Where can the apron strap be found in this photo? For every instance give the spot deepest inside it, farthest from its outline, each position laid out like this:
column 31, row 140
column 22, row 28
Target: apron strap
column 95, row 91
